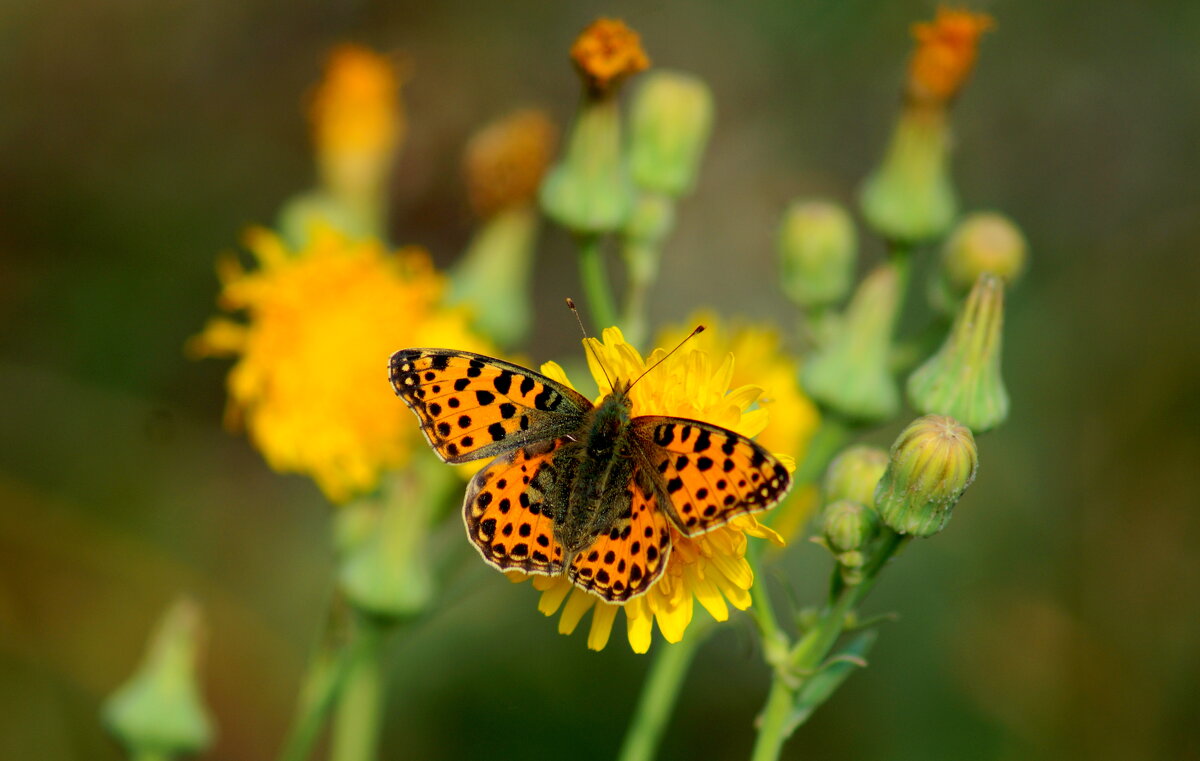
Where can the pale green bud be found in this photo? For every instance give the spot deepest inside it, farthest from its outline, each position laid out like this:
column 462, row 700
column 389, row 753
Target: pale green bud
column 492, row 278
column 589, row 191
column 854, row 474
column 910, row 197
column 849, row 526
column 672, row 115
column 963, row 378
column 983, row 242
column 817, row 249
column 850, row 373
column 158, row 712
column 317, row 209
column 931, row 463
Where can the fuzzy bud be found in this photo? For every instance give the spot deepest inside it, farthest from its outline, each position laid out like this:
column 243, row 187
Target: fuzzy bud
column 983, row 242
column 854, row 474
column 817, row 249
column 931, row 463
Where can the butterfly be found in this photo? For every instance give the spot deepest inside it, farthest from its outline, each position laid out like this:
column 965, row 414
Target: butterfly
column 589, row 490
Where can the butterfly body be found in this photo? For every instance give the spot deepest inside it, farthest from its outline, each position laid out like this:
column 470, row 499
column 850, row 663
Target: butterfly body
column 592, row 491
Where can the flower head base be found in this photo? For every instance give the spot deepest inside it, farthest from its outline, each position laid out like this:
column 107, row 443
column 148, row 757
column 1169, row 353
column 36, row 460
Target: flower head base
column 357, row 121
column 671, row 118
column 606, row 53
column 710, row 568
column 307, row 380
column 932, row 462
column 945, row 55
column 505, row 161
column 963, row 379
column 158, row 712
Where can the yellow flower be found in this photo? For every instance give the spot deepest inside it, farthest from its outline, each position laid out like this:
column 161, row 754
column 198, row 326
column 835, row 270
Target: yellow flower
column 356, row 119
column 321, row 321
column 710, row 569
column 607, row 52
column 945, row 54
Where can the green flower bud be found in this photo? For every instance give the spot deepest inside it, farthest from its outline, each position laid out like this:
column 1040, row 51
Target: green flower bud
column 849, row 525
column 932, row 462
column 817, row 249
column 910, row 197
column 671, row 119
column 589, row 190
column 850, row 373
column 854, row 474
column 158, row 712
column 963, row 378
column 983, row 242
column 492, row 278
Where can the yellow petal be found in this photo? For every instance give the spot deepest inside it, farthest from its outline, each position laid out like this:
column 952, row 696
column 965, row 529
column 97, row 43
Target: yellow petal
column 580, row 602
column 552, row 598
column 602, row 624
column 639, row 625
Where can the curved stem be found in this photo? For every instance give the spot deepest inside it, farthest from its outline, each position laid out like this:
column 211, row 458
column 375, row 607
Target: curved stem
column 779, row 719
column 659, row 694
column 322, row 683
column 601, row 304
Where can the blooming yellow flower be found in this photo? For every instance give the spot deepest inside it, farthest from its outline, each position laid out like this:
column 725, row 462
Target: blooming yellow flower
column 710, row 569
column 945, row 54
column 356, row 119
column 309, row 381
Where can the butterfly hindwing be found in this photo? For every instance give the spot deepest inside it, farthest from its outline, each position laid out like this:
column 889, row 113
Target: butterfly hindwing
column 626, row 561
column 709, row 474
column 506, row 511
column 471, row 406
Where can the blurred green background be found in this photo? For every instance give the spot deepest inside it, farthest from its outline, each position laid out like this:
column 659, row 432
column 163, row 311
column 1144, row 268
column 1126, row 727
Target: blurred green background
column 1057, row 617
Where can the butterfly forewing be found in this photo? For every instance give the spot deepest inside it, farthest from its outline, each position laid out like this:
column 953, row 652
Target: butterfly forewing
column 626, row 561
column 471, row 406
column 506, row 511
column 710, row 474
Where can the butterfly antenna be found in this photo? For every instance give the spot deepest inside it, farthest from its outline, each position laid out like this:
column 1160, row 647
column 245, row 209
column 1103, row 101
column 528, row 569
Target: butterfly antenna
column 699, row 329
column 578, row 319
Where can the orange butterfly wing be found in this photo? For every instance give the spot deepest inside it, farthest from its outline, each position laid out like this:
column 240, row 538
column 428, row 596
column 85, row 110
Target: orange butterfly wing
column 471, row 406
column 708, row 473
column 506, row 513
column 628, row 560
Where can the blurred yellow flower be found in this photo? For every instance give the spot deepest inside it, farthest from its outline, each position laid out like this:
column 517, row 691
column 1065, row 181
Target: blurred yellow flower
column 945, row 54
column 711, row 568
column 357, row 120
column 312, row 354
column 607, row 52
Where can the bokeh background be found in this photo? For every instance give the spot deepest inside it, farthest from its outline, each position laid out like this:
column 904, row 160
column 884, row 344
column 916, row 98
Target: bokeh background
column 1057, row 617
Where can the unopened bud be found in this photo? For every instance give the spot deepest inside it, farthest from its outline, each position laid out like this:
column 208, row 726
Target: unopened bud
column 850, row 373
column 849, row 525
column 983, row 242
column 158, row 712
column 817, row 249
column 963, row 378
column 931, row 463
column 854, row 474
column 671, row 118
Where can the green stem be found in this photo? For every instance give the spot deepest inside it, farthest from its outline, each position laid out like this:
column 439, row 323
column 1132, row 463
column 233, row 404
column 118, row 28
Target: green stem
column 149, row 755
column 595, row 282
column 777, row 721
column 659, row 694
column 360, row 704
column 322, row 683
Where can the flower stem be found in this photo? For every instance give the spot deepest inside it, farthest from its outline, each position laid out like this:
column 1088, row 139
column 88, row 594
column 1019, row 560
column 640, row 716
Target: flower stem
column 780, row 718
column 360, row 704
column 659, row 693
column 601, row 304
column 322, row 684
